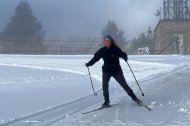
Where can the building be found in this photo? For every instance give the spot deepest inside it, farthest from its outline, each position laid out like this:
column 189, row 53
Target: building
column 172, row 33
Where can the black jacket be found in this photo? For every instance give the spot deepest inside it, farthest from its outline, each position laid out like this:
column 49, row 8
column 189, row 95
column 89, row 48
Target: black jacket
column 111, row 59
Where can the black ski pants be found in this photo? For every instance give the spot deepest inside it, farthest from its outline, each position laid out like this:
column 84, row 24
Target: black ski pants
column 121, row 80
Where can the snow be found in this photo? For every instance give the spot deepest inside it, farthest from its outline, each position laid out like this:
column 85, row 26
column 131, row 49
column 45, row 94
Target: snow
column 55, row 90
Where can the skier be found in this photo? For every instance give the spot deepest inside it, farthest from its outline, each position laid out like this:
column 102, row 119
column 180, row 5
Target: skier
column 111, row 68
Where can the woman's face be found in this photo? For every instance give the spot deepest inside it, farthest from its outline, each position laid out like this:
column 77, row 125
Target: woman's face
column 107, row 42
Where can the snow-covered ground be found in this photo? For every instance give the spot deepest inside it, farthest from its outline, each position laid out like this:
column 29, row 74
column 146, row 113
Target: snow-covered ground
column 55, row 90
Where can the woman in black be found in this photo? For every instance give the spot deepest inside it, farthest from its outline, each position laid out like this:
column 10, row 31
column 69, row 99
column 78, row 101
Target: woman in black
column 111, row 68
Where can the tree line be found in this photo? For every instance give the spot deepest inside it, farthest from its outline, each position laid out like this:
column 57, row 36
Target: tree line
column 25, row 35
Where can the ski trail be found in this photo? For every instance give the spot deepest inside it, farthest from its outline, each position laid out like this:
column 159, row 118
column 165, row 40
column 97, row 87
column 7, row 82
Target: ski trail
column 117, row 113
column 44, row 68
column 54, row 114
column 1, row 121
column 58, row 118
column 165, row 116
column 127, row 115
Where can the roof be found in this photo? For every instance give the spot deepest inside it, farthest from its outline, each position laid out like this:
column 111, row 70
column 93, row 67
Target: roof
column 169, row 20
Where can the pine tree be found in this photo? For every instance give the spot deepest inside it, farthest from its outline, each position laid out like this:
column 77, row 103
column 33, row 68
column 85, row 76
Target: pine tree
column 143, row 40
column 24, row 33
column 118, row 35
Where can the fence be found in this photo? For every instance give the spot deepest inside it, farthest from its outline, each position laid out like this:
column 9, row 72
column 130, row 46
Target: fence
column 50, row 46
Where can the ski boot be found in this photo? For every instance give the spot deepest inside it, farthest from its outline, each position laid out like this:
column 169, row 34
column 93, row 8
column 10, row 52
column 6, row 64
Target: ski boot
column 106, row 104
column 139, row 102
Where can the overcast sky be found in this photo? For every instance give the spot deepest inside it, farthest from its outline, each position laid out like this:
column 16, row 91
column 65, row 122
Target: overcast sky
column 87, row 17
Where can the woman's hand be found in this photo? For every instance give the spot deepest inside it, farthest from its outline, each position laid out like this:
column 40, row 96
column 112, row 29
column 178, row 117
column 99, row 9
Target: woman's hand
column 87, row 65
column 126, row 58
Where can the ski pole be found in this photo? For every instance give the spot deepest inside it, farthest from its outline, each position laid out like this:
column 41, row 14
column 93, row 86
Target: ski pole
column 135, row 79
column 91, row 82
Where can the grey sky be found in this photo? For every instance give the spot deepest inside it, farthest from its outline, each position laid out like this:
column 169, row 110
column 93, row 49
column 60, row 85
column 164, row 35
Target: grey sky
column 87, row 17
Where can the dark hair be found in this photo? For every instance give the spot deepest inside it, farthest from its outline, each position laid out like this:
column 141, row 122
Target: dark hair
column 113, row 43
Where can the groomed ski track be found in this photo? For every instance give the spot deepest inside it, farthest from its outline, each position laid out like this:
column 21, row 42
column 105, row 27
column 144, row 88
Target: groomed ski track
column 167, row 94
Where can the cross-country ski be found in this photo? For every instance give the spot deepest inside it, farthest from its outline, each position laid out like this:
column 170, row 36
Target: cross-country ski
column 111, row 105
column 100, row 108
